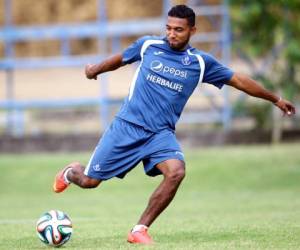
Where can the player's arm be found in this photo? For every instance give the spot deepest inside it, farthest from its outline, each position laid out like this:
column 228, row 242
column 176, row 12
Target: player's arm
column 112, row 63
column 253, row 88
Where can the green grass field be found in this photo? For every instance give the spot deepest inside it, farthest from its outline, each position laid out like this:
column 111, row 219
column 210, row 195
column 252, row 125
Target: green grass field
column 232, row 198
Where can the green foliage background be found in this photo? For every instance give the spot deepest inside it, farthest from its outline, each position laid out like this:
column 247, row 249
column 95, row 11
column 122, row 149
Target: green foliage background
column 263, row 29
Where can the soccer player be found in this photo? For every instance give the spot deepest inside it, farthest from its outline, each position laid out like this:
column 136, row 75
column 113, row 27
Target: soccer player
column 144, row 129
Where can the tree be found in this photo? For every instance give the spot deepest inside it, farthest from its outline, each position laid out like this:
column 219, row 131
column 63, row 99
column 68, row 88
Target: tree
column 269, row 32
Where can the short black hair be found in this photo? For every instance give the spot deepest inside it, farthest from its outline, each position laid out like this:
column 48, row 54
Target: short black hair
column 183, row 11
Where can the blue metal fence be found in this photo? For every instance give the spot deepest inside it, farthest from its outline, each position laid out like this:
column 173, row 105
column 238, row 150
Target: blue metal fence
column 100, row 29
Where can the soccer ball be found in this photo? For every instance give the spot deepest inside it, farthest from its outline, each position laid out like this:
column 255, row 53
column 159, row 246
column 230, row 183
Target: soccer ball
column 54, row 228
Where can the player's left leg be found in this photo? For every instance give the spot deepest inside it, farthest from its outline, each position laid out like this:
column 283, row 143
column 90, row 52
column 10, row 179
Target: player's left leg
column 173, row 171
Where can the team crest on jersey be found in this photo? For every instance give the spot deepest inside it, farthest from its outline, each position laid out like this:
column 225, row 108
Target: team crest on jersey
column 97, row 167
column 186, row 60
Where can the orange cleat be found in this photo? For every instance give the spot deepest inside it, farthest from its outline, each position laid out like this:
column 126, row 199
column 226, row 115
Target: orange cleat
column 60, row 184
column 140, row 237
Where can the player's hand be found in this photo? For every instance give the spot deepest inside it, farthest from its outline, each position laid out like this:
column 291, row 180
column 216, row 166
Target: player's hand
column 286, row 107
column 90, row 71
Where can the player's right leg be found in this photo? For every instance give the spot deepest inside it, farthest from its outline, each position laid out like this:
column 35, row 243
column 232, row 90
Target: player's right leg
column 73, row 173
column 115, row 155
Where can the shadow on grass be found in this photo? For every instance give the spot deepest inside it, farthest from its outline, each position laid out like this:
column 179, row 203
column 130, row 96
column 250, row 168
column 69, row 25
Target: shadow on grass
column 206, row 237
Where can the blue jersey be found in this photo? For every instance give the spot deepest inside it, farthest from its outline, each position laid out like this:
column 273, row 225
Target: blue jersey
column 164, row 81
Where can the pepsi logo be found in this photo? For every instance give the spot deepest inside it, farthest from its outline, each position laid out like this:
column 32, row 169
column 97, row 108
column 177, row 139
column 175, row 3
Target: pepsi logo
column 156, row 66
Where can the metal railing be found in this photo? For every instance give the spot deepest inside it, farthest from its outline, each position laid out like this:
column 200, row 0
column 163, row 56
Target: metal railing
column 115, row 30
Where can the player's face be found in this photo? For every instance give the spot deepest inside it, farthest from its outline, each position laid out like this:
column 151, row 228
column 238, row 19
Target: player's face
column 178, row 32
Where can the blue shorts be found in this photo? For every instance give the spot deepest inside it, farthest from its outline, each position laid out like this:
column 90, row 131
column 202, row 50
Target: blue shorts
column 124, row 145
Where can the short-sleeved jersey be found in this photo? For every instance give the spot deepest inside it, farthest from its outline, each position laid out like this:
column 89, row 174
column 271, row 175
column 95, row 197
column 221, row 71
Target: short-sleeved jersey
column 164, row 81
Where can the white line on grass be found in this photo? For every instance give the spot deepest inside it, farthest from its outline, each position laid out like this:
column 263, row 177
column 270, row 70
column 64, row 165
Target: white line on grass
column 32, row 221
